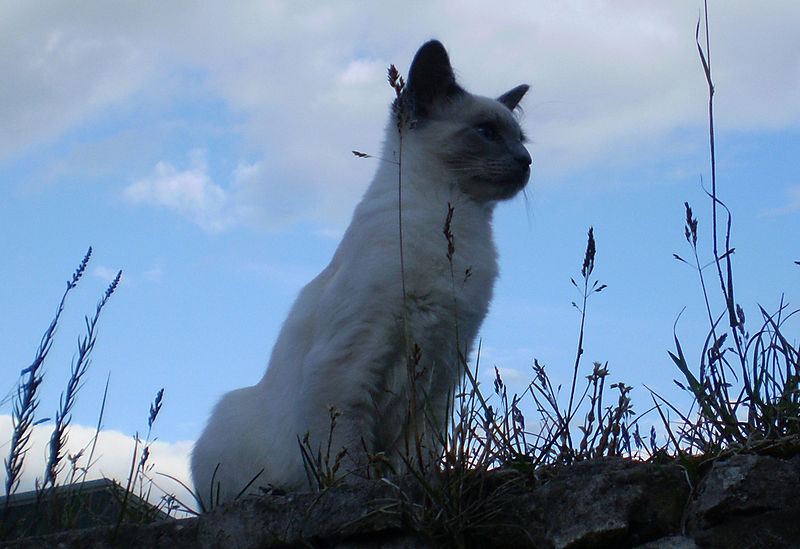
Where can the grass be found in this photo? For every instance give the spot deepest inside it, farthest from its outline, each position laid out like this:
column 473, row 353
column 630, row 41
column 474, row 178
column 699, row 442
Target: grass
column 744, row 388
column 26, row 400
column 57, row 509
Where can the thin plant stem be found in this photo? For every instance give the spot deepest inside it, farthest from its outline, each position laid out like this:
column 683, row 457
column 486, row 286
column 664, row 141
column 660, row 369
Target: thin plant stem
column 58, row 439
column 26, row 401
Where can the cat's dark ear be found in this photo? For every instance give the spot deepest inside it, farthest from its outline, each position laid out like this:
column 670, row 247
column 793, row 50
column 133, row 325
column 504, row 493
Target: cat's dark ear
column 431, row 77
column 513, row 96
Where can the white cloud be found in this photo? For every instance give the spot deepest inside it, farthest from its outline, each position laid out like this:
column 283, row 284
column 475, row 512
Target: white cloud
column 248, row 198
column 189, row 192
column 112, row 458
column 360, row 72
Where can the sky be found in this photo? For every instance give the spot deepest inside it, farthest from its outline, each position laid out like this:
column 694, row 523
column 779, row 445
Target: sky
column 205, row 151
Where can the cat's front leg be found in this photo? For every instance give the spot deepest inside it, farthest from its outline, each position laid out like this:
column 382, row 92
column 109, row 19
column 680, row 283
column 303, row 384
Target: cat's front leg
column 349, row 390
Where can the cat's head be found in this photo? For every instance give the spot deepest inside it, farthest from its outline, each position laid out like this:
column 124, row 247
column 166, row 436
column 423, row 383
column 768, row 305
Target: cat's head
column 476, row 139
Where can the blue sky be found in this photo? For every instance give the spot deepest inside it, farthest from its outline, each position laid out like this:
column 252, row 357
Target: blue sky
column 206, row 153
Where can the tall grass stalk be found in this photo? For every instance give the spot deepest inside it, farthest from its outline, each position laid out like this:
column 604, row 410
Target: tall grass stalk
column 586, row 273
column 58, row 440
column 140, row 468
column 26, row 401
column 98, row 427
column 747, row 389
column 401, row 110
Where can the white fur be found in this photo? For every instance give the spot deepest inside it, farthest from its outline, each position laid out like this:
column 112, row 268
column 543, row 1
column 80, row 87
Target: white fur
column 343, row 343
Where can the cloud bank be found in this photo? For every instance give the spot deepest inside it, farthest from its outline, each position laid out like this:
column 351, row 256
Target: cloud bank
column 611, row 82
column 112, row 459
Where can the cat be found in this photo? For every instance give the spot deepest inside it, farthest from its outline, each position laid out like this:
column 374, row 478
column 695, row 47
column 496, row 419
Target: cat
column 355, row 328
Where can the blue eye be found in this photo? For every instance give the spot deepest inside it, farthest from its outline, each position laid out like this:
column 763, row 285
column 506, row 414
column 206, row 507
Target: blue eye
column 487, row 131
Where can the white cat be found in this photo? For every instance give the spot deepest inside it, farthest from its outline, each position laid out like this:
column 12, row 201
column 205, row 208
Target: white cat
column 352, row 332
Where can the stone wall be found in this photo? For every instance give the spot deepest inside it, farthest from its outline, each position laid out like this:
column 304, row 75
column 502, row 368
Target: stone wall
column 744, row 501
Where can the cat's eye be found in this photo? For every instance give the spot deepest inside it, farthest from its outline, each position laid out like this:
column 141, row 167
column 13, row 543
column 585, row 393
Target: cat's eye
column 487, row 131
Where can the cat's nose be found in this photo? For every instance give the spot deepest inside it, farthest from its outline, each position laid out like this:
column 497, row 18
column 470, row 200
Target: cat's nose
column 522, row 156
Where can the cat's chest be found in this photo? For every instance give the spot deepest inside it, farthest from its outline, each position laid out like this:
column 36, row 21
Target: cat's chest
column 455, row 261
column 443, row 256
